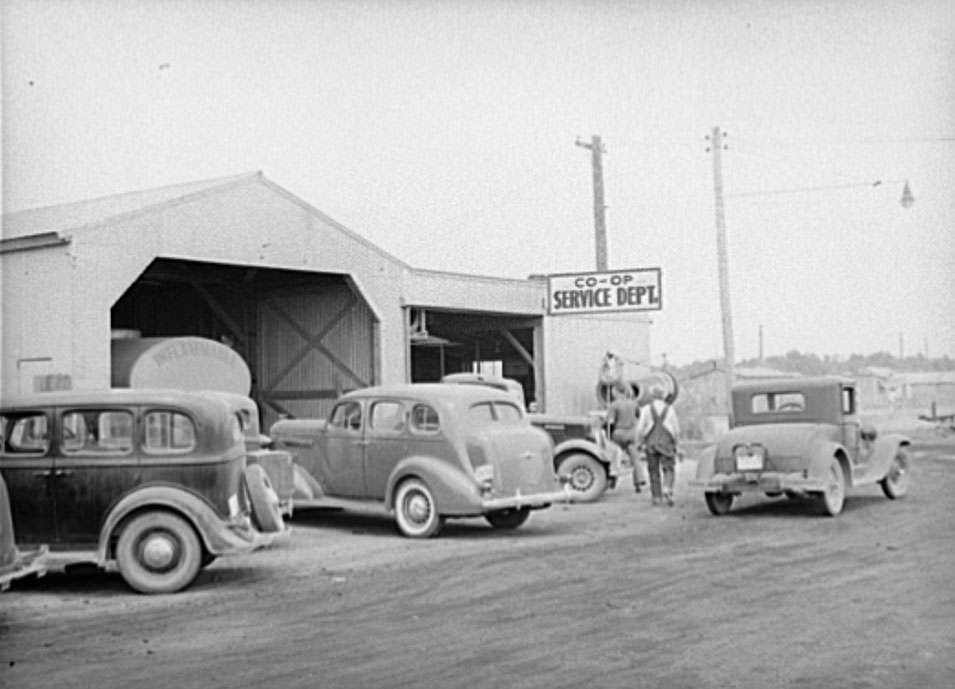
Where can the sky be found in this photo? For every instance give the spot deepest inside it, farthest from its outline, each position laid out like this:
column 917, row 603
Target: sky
column 445, row 133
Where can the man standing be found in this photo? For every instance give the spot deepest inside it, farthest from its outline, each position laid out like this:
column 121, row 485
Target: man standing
column 622, row 419
column 657, row 431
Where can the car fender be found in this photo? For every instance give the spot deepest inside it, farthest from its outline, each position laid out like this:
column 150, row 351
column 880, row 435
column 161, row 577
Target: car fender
column 193, row 508
column 706, row 464
column 587, row 447
column 454, row 492
column 821, row 453
column 884, row 452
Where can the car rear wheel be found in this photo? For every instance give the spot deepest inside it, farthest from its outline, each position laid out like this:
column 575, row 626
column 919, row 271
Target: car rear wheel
column 266, row 512
column 895, row 484
column 585, row 474
column 833, row 497
column 508, row 519
column 158, row 552
column 719, row 503
column 416, row 511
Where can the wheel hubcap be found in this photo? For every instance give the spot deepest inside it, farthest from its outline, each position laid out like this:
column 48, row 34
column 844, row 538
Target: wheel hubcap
column 418, row 507
column 159, row 551
column 581, row 478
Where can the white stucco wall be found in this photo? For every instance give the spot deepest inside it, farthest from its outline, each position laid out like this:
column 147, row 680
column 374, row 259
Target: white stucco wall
column 574, row 348
column 37, row 311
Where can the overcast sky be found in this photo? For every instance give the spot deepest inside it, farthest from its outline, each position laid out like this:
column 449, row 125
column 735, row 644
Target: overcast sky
column 445, row 133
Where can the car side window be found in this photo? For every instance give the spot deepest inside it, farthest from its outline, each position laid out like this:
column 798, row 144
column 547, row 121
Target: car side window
column 168, row 432
column 346, row 415
column 96, row 431
column 25, row 434
column 386, row 415
column 424, row 419
column 848, row 400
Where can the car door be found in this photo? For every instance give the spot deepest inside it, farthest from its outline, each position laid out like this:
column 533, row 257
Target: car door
column 341, row 465
column 96, row 465
column 386, row 443
column 27, row 464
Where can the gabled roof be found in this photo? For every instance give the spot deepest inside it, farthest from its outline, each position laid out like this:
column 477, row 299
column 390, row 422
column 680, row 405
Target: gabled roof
column 68, row 216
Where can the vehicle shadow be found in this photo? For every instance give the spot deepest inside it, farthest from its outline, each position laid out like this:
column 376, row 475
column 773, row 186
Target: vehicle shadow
column 381, row 524
column 799, row 507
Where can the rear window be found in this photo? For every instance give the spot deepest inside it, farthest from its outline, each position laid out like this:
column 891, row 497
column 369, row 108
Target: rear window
column 24, row 434
column 96, row 432
column 778, row 403
column 170, row 432
column 485, row 413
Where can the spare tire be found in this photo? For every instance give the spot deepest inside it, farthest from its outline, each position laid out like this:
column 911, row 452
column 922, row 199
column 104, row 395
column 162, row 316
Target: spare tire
column 266, row 514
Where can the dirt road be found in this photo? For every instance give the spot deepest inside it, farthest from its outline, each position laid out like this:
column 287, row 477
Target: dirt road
column 610, row 594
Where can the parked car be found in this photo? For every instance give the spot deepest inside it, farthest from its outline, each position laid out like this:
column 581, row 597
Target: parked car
column 153, row 483
column 277, row 464
column 802, row 438
column 583, row 452
column 424, row 452
column 13, row 563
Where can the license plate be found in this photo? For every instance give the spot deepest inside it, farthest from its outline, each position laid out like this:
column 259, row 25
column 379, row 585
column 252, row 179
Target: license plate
column 749, row 463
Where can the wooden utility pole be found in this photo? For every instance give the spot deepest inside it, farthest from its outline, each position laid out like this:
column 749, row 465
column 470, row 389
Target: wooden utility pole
column 716, row 146
column 600, row 227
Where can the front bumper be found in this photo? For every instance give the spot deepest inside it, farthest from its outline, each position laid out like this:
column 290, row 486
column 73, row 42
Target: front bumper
column 759, row 482
column 534, row 500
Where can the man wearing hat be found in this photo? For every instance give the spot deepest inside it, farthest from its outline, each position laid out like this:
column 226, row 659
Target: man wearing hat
column 657, row 432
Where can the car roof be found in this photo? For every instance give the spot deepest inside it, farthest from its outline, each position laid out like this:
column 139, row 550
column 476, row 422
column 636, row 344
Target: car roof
column 792, row 384
column 138, row 396
column 434, row 392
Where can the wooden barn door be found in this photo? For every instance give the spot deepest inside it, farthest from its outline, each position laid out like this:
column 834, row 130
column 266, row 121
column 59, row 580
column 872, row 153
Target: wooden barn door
column 313, row 344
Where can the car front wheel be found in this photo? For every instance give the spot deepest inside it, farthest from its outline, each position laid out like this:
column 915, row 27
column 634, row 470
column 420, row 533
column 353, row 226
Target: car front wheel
column 585, row 475
column 158, row 552
column 416, row 511
column 832, row 499
column 508, row 519
column 719, row 503
column 896, row 481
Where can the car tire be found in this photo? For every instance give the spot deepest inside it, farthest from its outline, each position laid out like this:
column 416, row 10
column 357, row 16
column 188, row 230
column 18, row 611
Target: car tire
column 833, row 498
column 416, row 511
column 158, row 552
column 586, row 476
column 719, row 503
column 508, row 519
column 895, row 483
column 266, row 511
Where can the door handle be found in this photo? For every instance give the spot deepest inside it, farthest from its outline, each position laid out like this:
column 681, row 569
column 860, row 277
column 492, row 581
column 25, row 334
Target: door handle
column 62, row 472
column 42, row 474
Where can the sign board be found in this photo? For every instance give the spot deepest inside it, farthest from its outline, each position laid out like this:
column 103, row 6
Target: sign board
column 634, row 289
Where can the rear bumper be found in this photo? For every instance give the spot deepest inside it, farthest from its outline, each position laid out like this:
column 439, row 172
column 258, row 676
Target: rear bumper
column 239, row 536
column 534, row 500
column 765, row 482
column 24, row 565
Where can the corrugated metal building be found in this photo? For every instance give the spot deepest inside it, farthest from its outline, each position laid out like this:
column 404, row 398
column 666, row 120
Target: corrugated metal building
column 311, row 306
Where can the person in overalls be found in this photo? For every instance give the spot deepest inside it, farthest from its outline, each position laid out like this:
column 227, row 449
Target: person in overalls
column 657, row 432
